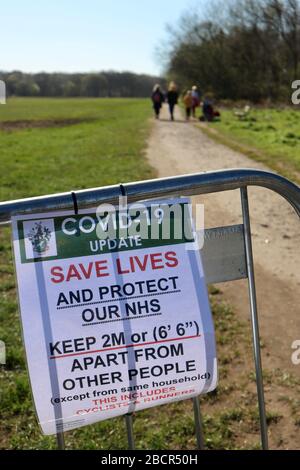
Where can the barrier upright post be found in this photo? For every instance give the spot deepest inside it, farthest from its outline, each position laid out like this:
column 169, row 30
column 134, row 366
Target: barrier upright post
column 60, row 440
column 254, row 319
column 198, row 424
column 129, row 428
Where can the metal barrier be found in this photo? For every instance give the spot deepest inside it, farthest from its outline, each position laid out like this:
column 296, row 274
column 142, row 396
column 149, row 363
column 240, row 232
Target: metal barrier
column 227, row 251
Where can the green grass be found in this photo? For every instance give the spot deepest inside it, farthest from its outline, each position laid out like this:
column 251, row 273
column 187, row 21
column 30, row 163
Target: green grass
column 105, row 146
column 104, row 149
column 271, row 136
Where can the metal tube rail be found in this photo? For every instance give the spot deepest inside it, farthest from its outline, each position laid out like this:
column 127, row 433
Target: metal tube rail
column 185, row 185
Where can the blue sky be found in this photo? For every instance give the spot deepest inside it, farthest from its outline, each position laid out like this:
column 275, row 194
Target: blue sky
column 85, row 35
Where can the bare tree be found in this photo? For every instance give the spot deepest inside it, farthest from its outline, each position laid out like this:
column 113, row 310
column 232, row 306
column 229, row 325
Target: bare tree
column 245, row 49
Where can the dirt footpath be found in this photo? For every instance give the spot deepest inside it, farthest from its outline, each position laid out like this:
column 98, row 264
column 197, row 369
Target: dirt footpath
column 178, row 148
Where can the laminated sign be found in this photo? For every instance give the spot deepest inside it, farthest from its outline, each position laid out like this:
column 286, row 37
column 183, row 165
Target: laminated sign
column 114, row 309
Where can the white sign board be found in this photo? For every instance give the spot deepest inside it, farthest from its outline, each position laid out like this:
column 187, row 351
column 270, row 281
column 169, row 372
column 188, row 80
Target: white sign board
column 111, row 326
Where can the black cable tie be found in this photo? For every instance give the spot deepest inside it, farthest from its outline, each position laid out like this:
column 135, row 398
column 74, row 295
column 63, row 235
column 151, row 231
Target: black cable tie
column 123, row 190
column 75, row 204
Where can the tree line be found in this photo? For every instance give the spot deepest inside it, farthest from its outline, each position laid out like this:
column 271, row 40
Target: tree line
column 102, row 84
column 245, row 49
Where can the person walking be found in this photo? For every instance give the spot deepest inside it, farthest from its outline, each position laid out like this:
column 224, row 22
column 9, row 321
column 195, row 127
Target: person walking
column 172, row 97
column 196, row 99
column 157, row 98
column 188, row 104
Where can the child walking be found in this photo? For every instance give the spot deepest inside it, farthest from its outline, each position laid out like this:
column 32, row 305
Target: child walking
column 196, row 99
column 188, row 103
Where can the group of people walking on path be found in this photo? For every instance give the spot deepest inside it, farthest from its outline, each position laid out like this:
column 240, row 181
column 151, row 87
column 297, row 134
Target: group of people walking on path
column 191, row 100
column 158, row 98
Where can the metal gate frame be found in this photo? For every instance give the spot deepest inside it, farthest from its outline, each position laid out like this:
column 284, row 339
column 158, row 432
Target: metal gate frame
column 239, row 264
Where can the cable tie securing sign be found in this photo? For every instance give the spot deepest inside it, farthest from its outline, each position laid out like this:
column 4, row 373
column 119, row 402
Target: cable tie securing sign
column 123, row 190
column 123, row 197
column 75, row 204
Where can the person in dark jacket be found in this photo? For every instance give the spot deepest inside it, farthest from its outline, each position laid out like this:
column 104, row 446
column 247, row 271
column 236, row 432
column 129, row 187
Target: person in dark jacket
column 157, row 98
column 172, row 97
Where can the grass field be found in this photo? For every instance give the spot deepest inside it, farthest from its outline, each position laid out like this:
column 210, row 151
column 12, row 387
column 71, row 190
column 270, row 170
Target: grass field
column 107, row 142
column 271, row 136
column 58, row 145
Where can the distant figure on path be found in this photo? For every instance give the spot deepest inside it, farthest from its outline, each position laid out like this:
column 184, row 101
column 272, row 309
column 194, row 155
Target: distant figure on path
column 188, row 103
column 207, row 108
column 209, row 113
column 172, row 97
column 196, row 99
column 157, row 98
